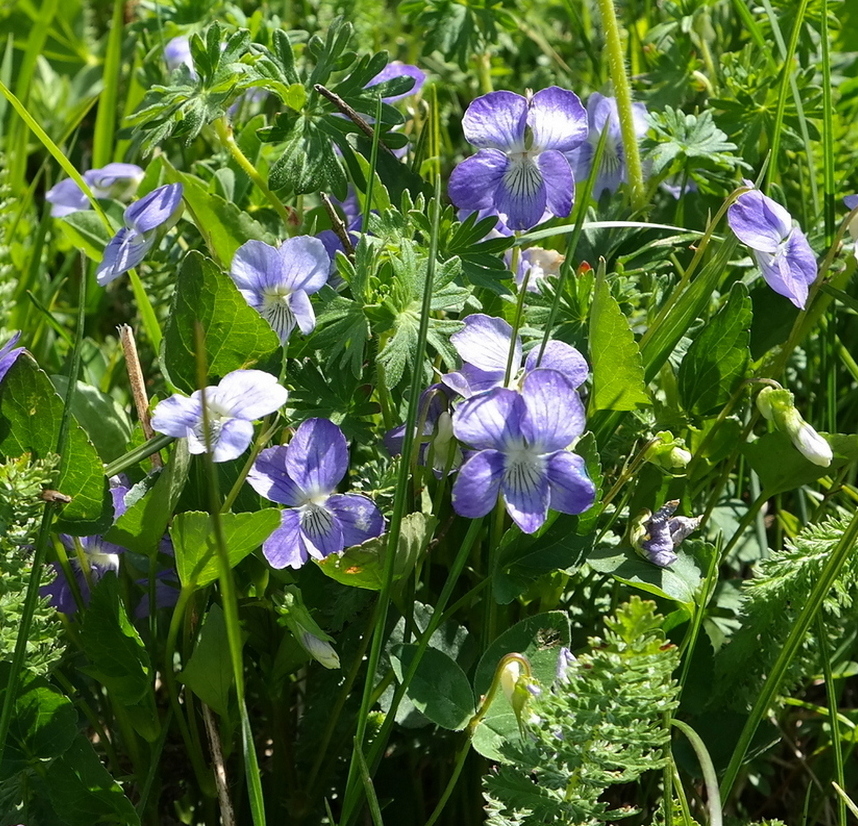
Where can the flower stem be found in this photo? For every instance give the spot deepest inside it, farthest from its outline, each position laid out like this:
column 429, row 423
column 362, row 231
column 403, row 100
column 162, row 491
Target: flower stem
column 224, row 133
column 622, row 89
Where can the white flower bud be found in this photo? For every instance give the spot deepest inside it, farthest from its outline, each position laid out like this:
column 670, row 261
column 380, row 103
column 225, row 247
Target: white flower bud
column 812, row 446
column 320, row 650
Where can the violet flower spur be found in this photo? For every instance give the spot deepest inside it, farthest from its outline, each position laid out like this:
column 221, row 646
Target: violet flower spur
column 116, row 180
column 277, row 281
column 602, row 114
column 8, row 353
column 232, row 406
column 780, row 249
column 146, row 221
column 484, row 346
column 520, row 441
column 521, row 170
column 303, row 475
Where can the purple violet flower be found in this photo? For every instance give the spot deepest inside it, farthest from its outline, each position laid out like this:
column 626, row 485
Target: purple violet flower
column 232, row 406
column 602, row 114
column 116, row 180
column 277, row 281
column 780, row 249
column 520, row 441
column 396, row 68
column 658, row 535
column 521, row 171
column 8, row 353
column 146, row 221
column 101, row 556
column 303, row 475
column 484, row 346
column 177, row 53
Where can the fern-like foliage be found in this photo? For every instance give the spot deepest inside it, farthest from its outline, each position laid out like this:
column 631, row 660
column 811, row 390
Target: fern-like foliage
column 21, row 483
column 600, row 724
column 771, row 602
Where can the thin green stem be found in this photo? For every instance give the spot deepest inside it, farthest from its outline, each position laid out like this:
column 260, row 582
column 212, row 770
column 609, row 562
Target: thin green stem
column 710, row 778
column 622, row 89
column 224, row 133
column 833, row 715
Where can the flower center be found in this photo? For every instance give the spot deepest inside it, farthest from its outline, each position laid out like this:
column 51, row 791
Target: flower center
column 522, row 177
column 276, row 310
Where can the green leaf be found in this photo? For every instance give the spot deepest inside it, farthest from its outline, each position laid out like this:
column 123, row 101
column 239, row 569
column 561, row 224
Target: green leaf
column 194, row 542
column 539, row 638
column 101, row 416
column 44, row 723
column 439, row 688
column 30, row 414
column 716, row 360
column 209, row 672
column 83, row 792
column 150, row 505
column 222, row 224
column 618, row 376
column 362, row 566
column 86, row 231
column 781, row 467
column 118, row 659
column 678, row 583
column 236, row 336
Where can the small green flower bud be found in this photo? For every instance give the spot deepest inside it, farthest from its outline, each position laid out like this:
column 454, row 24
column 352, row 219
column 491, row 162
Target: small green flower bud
column 668, row 453
column 778, row 406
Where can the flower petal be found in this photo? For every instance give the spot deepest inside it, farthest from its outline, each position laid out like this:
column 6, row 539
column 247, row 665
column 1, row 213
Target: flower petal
column 521, row 196
column 285, row 547
column 157, row 208
column 758, row 221
column 302, row 311
column 474, row 181
column 525, row 489
column 477, row 484
column 569, row 485
column 471, row 380
column 496, row 121
column 8, row 353
column 304, row 263
column 255, row 267
column 396, row 68
column 559, row 186
column 557, row 119
column 247, row 394
column 490, row 420
column 66, row 197
column 321, row 532
column 124, row 251
column 229, row 440
column 563, row 358
column 269, row 478
column 277, row 311
column 554, row 415
column 317, row 457
column 358, row 516
column 177, row 416
column 485, row 341
column 791, row 270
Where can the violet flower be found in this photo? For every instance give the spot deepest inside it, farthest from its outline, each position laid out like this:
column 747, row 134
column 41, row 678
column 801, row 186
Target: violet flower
column 177, row 53
column 520, row 439
column 659, row 534
column 521, row 171
column 277, row 281
column 602, row 114
column 146, row 221
column 537, row 264
column 8, row 353
column 303, row 475
column 116, row 180
column 484, row 346
column 101, row 556
column 779, row 248
column 232, row 406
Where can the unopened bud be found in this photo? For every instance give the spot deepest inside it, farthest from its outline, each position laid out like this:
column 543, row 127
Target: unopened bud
column 778, row 406
column 319, row 650
column 668, row 452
